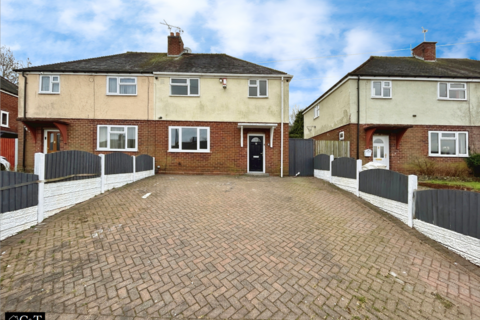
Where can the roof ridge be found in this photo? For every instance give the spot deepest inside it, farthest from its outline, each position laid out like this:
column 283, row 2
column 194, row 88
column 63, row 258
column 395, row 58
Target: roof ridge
column 280, row 72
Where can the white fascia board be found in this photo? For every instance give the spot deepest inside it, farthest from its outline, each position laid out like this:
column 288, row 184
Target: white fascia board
column 257, row 125
column 9, row 93
column 216, row 75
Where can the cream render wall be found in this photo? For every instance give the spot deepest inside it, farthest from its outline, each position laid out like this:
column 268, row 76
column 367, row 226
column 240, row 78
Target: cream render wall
column 218, row 104
column 335, row 111
column 409, row 97
column 84, row 97
column 420, row 98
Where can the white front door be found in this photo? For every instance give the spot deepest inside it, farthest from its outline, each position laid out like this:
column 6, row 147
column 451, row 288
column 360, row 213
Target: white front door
column 381, row 151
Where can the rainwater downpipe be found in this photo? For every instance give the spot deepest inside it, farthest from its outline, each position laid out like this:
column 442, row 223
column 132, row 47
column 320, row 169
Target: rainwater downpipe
column 281, row 139
column 358, row 117
column 24, row 116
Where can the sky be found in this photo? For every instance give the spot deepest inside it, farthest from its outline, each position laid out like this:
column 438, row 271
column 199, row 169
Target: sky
column 283, row 35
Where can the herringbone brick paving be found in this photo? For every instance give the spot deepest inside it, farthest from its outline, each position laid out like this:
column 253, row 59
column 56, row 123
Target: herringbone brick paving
column 232, row 247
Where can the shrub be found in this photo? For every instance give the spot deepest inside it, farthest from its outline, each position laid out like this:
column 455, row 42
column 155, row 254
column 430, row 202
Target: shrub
column 421, row 166
column 473, row 162
column 456, row 170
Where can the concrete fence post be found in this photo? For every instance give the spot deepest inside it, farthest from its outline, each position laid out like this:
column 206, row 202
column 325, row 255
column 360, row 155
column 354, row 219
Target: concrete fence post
column 40, row 171
column 102, row 173
column 153, row 170
column 134, row 167
column 331, row 163
column 412, row 186
column 359, row 169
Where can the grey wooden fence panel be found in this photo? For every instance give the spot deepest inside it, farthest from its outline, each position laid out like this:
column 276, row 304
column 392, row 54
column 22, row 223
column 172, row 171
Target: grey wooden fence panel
column 322, row 162
column 66, row 163
column 345, row 168
column 118, row 162
column 385, row 183
column 300, row 157
column 143, row 162
column 17, row 198
column 454, row 210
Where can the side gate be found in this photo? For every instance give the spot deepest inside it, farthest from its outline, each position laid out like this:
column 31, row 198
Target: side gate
column 300, row 157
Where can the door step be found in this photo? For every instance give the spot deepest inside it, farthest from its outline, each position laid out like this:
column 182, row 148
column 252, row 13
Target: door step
column 253, row 174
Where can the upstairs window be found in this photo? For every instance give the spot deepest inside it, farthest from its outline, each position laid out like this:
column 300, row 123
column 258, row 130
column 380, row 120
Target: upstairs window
column 381, row 89
column 447, row 144
column 50, row 84
column 124, row 86
column 258, row 88
column 184, row 87
column 117, row 138
column 5, row 115
column 316, row 112
column 452, row 91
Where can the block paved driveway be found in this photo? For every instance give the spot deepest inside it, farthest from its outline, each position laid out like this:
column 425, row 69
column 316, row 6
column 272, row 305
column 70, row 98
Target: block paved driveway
column 232, row 247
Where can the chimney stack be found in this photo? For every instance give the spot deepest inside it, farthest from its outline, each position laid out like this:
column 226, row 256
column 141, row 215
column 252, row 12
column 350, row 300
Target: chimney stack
column 175, row 44
column 425, row 51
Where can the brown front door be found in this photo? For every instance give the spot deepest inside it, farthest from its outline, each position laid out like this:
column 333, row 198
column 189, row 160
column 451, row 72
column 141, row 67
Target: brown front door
column 53, row 141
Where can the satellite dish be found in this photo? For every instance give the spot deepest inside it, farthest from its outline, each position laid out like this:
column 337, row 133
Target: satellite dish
column 187, row 50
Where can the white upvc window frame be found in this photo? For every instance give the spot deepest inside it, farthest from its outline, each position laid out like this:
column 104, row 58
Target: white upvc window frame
column 316, row 112
column 451, row 89
column 180, row 139
column 187, row 84
column 8, row 119
column 457, row 144
column 257, row 85
column 118, row 86
column 382, row 86
column 50, row 83
column 108, row 138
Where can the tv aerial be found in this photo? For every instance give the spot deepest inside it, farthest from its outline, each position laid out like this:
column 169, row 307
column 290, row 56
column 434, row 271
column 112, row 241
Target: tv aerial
column 424, row 34
column 170, row 26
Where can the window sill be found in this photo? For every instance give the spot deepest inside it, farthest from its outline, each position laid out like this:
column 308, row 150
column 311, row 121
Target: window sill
column 315, row 117
column 4, row 126
column 448, row 156
column 121, row 95
column 185, row 96
column 189, row 151
column 257, row 97
column 447, row 99
column 381, row 97
column 49, row 93
column 116, row 150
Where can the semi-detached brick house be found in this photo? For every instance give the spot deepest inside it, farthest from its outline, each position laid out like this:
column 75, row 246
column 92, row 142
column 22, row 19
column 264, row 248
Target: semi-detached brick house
column 408, row 107
column 195, row 113
column 9, row 109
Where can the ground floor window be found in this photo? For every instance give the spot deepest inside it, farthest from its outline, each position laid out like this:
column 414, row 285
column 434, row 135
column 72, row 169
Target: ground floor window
column 117, row 138
column 448, row 144
column 189, row 139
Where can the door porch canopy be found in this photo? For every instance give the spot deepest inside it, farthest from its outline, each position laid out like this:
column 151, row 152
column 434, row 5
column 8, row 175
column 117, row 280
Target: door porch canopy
column 270, row 126
column 397, row 130
column 34, row 123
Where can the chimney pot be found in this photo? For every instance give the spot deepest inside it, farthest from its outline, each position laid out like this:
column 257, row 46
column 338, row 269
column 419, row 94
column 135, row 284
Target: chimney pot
column 425, row 51
column 177, row 34
column 171, row 33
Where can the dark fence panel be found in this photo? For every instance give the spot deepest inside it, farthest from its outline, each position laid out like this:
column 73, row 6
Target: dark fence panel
column 322, row 162
column 385, row 183
column 345, row 168
column 143, row 162
column 454, row 210
column 300, row 157
column 21, row 197
column 66, row 163
column 118, row 162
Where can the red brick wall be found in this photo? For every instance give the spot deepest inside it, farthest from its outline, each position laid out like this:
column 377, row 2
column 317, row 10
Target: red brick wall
column 413, row 144
column 9, row 103
column 426, row 50
column 175, row 44
column 225, row 157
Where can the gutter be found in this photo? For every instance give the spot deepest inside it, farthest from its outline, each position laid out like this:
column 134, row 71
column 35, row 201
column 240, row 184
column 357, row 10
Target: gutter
column 24, row 116
column 358, row 117
column 288, row 76
column 281, row 139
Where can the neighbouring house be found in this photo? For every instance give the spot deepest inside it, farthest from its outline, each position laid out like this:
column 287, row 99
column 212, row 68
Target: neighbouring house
column 8, row 124
column 396, row 109
column 193, row 112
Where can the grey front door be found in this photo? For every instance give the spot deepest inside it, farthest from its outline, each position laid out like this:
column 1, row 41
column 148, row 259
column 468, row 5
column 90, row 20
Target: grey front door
column 255, row 153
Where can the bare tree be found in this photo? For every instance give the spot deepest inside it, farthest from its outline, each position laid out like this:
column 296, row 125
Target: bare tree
column 293, row 113
column 8, row 63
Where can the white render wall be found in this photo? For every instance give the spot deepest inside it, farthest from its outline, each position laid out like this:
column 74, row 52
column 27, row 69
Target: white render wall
column 322, row 174
column 15, row 221
column 346, row 184
column 466, row 246
column 397, row 209
column 63, row 195
column 117, row 180
column 143, row 174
